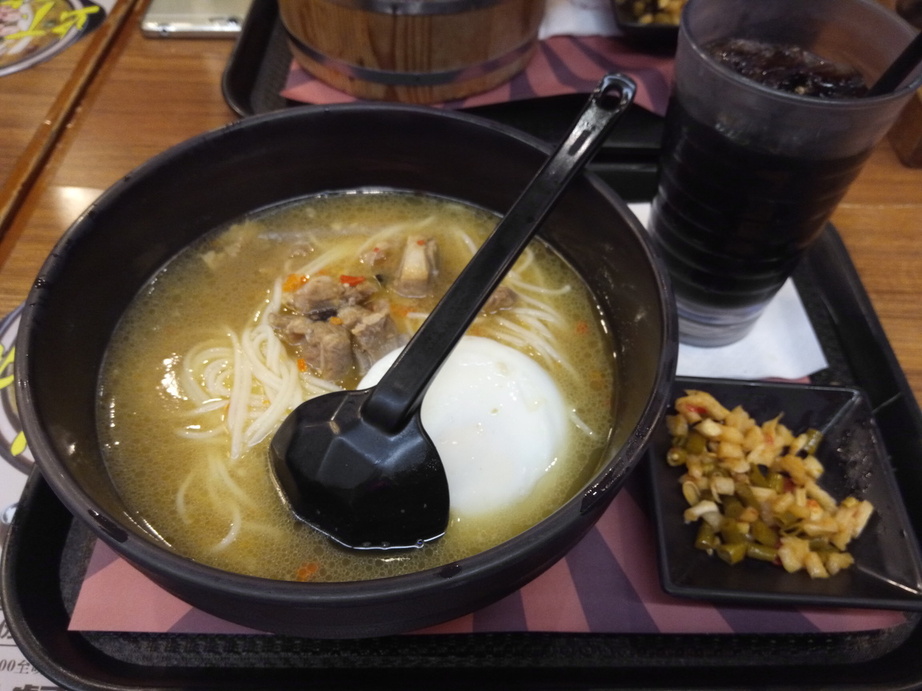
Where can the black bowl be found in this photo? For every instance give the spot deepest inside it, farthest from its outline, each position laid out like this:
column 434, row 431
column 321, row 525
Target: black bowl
column 153, row 213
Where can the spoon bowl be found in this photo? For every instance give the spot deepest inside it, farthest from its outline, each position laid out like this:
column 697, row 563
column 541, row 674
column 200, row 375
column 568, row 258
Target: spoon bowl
column 364, row 486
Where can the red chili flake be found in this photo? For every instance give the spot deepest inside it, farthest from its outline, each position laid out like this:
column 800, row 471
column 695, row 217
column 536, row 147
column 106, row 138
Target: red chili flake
column 421, row 241
column 302, row 364
column 400, row 310
column 293, row 282
column 351, row 280
column 582, row 327
column 306, row 571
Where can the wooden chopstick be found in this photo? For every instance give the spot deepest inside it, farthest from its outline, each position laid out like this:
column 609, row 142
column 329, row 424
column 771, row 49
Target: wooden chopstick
column 43, row 142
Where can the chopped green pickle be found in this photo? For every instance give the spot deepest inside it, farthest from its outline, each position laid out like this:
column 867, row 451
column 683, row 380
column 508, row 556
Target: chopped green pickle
column 677, row 456
column 730, row 532
column 745, row 493
column 706, row 539
column 814, row 437
column 764, row 534
column 757, row 477
column 733, row 507
column 775, row 481
column 732, row 553
column 787, row 520
column 756, row 551
column 696, row 443
column 821, row 544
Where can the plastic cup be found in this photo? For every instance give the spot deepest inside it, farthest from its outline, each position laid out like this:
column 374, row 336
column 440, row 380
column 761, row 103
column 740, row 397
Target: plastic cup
column 750, row 175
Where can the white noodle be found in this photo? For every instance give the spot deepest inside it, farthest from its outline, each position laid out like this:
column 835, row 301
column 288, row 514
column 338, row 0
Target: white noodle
column 523, row 286
column 523, row 263
column 283, row 395
column 580, row 425
column 531, row 323
column 198, row 354
column 252, row 342
column 219, row 469
column 510, row 340
column 209, row 406
column 238, row 408
column 232, row 533
column 181, row 509
column 544, row 315
column 216, row 374
column 542, row 347
column 315, row 385
column 200, row 434
column 466, row 239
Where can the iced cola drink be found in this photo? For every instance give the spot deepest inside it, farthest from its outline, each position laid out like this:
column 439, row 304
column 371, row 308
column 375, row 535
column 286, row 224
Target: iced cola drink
column 768, row 125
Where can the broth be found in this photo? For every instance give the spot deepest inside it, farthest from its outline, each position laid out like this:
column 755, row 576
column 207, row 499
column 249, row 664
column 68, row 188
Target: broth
column 194, row 465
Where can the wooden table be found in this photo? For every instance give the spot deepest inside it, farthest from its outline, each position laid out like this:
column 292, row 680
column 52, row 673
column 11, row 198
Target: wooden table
column 148, row 94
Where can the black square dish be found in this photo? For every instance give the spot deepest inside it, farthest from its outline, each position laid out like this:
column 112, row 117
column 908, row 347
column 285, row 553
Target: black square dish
column 654, row 36
column 886, row 573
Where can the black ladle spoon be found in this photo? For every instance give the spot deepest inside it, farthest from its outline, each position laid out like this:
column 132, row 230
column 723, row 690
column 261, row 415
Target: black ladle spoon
column 358, row 465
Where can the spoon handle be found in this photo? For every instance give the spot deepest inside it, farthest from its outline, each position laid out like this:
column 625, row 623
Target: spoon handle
column 400, row 391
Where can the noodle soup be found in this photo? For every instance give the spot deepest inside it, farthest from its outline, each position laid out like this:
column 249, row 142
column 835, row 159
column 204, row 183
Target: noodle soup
column 215, row 353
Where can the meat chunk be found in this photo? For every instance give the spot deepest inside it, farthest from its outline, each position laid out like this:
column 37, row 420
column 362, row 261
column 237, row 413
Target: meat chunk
column 377, row 255
column 351, row 315
column 375, row 336
column 289, row 327
column 418, row 267
column 325, row 347
column 374, row 333
column 359, row 293
column 321, row 294
column 502, row 298
column 335, row 324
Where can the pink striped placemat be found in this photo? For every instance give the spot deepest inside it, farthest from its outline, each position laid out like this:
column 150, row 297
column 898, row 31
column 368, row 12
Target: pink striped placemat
column 607, row 584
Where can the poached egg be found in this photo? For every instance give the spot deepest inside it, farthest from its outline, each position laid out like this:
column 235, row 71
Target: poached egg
column 497, row 419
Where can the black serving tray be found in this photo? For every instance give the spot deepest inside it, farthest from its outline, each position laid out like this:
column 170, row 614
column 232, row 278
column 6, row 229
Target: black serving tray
column 47, row 550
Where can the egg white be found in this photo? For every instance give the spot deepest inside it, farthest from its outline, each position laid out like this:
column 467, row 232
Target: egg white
column 497, row 419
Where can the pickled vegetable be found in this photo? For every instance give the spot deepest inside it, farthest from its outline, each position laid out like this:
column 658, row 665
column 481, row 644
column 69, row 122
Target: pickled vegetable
column 753, row 489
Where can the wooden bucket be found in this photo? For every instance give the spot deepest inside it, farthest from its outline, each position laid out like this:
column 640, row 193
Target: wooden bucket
column 413, row 51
